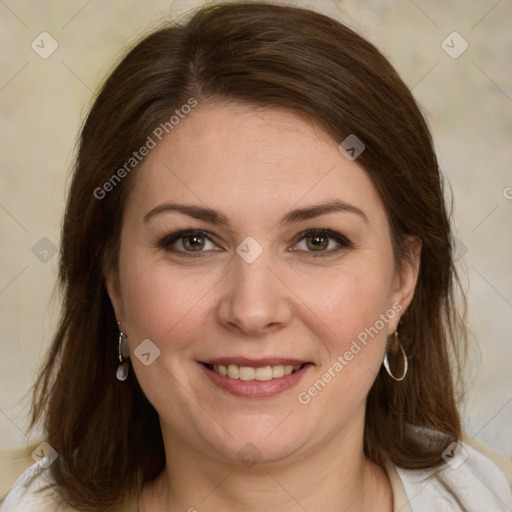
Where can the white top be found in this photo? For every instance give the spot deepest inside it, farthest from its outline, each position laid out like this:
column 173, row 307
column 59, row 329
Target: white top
column 469, row 482
column 22, row 496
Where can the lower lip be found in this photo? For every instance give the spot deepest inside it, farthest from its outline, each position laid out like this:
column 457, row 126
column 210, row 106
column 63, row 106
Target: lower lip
column 255, row 388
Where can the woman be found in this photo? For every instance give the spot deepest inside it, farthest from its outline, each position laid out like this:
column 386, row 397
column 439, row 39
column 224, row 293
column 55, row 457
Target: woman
column 258, row 283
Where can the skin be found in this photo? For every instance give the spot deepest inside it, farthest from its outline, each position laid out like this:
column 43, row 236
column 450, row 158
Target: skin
column 254, row 165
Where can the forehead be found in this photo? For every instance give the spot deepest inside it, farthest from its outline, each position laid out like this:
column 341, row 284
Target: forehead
column 252, row 160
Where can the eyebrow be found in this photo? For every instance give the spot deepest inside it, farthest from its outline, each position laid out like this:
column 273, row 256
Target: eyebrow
column 215, row 217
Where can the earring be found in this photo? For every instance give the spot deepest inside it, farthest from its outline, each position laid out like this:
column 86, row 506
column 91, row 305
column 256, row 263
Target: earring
column 404, row 355
column 122, row 352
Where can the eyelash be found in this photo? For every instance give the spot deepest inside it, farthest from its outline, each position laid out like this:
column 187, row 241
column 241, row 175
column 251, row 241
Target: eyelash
column 167, row 241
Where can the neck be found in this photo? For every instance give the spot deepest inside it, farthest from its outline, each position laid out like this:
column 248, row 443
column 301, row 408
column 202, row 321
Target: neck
column 336, row 478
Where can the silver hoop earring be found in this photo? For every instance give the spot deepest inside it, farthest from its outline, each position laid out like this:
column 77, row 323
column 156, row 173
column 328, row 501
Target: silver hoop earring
column 406, row 363
column 123, row 368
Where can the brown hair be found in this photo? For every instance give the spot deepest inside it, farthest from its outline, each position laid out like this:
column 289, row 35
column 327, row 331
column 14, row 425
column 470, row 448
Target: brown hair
column 106, row 432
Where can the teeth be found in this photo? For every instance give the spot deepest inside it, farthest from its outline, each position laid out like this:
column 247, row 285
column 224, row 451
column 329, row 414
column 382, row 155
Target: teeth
column 233, row 371
column 277, row 371
column 261, row 373
column 246, row 373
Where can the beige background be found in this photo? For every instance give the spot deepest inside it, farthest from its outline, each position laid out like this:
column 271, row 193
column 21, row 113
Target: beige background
column 468, row 102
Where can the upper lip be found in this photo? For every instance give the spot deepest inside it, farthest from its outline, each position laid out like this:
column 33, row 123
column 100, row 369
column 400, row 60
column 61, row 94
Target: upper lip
column 255, row 363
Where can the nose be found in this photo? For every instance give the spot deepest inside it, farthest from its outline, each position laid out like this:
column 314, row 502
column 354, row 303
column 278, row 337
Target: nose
column 255, row 300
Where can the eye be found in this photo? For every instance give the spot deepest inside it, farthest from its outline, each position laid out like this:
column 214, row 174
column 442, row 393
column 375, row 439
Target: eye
column 190, row 241
column 321, row 242
column 315, row 242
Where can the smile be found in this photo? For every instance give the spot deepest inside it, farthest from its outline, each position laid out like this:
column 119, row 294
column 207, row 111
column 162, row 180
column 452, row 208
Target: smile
column 260, row 373
column 254, row 378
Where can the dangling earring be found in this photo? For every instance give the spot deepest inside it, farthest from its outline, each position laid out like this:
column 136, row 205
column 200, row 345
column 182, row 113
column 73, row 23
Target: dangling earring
column 404, row 355
column 122, row 352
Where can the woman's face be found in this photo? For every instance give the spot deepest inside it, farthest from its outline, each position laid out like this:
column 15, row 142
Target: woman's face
column 251, row 295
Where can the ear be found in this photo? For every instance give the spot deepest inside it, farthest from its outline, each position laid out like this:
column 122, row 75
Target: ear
column 406, row 277
column 113, row 286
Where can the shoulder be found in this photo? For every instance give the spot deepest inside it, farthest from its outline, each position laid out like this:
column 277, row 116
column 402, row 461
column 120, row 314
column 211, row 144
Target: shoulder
column 27, row 485
column 13, row 462
column 25, row 482
column 467, row 482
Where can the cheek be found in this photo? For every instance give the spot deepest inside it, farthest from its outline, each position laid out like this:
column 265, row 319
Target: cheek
column 355, row 306
column 358, row 317
column 159, row 302
column 349, row 301
column 167, row 308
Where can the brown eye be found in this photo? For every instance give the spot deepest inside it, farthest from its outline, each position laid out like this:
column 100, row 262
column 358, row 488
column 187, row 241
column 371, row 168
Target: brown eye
column 323, row 242
column 193, row 242
column 317, row 242
column 183, row 242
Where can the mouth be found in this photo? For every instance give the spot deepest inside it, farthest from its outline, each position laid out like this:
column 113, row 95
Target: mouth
column 259, row 373
column 255, row 378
